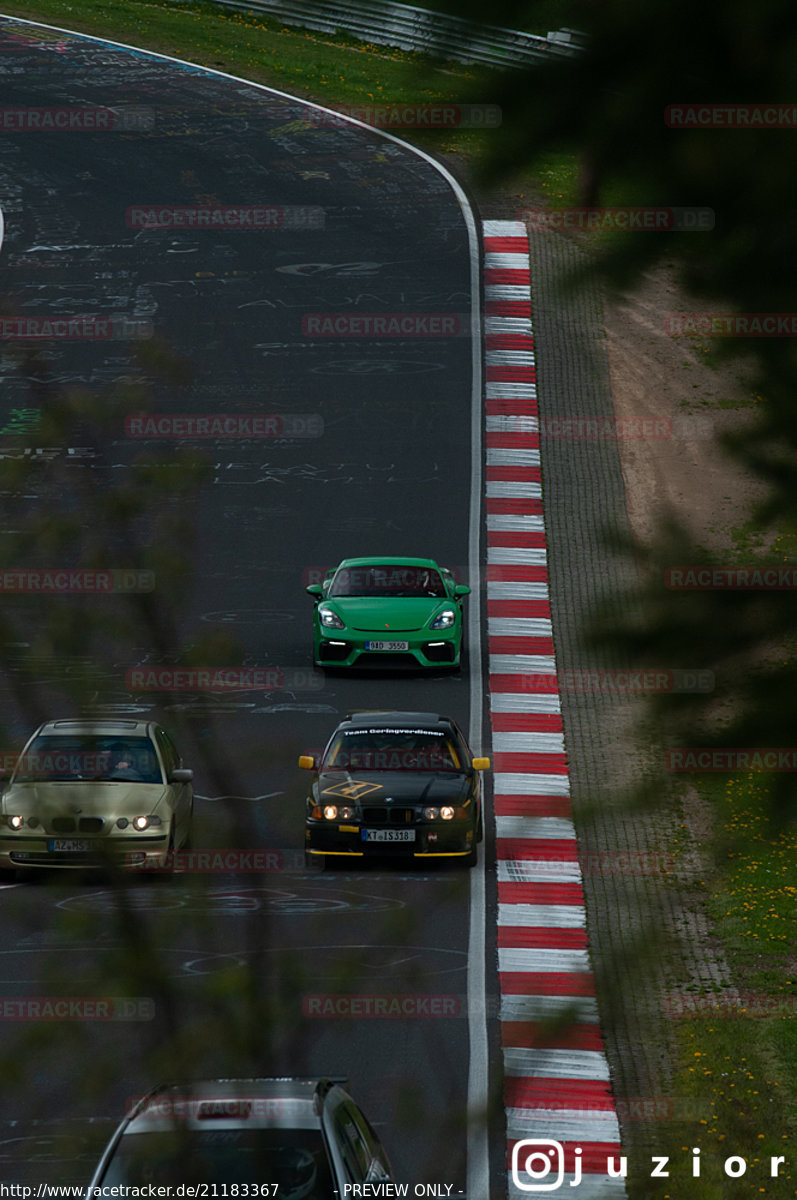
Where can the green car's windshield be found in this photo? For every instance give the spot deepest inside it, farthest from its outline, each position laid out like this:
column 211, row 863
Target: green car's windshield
column 60, row 758
column 392, row 750
column 294, row 1160
column 387, row 579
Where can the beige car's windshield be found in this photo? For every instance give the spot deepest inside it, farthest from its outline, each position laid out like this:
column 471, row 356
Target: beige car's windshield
column 88, row 757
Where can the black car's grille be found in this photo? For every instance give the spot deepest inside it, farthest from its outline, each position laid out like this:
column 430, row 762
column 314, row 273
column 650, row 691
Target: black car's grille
column 70, row 825
column 388, row 816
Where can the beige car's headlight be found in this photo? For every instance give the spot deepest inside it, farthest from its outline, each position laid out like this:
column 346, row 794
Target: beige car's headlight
column 142, row 822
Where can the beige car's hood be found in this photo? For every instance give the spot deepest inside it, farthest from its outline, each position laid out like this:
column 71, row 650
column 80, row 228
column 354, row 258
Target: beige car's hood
column 112, row 798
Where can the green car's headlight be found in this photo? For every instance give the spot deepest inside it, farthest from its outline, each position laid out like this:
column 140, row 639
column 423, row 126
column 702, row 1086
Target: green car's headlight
column 330, row 619
column 15, row 821
column 444, row 620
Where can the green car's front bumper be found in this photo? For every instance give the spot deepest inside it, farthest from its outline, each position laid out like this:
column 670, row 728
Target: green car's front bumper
column 411, row 649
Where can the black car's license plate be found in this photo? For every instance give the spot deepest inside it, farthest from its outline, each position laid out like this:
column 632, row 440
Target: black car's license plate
column 388, row 835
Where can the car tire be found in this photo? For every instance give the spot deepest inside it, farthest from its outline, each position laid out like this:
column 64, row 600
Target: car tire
column 480, row 830
column 315, row 862
column 471, row 858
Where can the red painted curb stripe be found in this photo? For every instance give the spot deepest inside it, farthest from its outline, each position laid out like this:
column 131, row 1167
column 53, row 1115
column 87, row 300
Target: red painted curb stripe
column 546, row 983
column 524, row 806
column 531, row 1035
column 535, row 722
column 540, row 893
column 506, row 275
column 530, row 764
column 526, row 1091
column 520, row 683
column 534, row 937
column 521, row 645
column 518, row 608
column 506, row 243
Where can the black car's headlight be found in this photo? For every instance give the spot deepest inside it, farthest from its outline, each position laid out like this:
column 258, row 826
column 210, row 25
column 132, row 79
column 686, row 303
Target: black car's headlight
column 444, row 619
column 446, row 813
column 330, row 619
column 333, row 813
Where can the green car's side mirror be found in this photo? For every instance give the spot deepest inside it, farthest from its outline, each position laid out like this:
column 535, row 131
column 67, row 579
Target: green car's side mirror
column 462, row 589
column 315, row 589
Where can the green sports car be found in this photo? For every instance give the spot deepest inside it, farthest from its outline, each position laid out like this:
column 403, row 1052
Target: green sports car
column 388, row 612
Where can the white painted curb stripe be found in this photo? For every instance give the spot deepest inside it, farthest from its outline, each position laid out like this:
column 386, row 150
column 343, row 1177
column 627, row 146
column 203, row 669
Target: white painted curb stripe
column 521, row 742
column 517, row 702
column 543, row 916
column 524, row 556
column 563, row 1124
column 547, row 1008
column 538, row 870
column 555, row 1064
column 536, row 627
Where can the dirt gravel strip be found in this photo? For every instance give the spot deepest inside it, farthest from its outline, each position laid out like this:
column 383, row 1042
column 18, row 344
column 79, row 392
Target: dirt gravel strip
column 557, row 1090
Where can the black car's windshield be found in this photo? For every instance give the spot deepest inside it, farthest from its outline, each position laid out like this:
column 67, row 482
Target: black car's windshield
column 294, row 1160
column 392, row 750
column 63, row 758
column 387, row 579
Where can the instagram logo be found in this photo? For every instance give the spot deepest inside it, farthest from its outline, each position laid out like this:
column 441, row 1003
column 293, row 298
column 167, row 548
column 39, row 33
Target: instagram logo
column 532, row 1163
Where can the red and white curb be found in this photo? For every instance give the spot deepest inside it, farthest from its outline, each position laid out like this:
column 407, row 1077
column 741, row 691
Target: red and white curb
column 557, row 1090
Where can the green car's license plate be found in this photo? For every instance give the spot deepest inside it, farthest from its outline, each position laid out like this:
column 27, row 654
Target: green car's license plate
column 388, row 835
column 68, row 845
column 387, row 645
